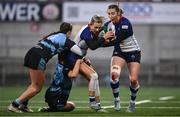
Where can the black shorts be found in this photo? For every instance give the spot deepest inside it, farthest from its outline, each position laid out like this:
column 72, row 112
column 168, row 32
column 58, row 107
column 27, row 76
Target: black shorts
column 56, row 100
column 33, row 59
column 134, row 56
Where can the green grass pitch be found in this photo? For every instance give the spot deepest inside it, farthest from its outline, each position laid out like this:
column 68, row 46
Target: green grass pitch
column 152, row 101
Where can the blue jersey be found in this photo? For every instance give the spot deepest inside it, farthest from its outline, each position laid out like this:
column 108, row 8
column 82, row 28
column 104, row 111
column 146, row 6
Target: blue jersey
column 53, row 44
column 61, row 82
column 58, row 92
column 124, row 33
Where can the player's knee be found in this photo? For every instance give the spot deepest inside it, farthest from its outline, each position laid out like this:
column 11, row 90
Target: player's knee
column 115, row 73
column 134, row 81
column 114, row 76
column 70, row 106
column 94, row 76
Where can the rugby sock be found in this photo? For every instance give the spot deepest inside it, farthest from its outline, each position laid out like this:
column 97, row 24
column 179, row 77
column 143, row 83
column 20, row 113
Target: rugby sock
column 97, row 91
column 97, row 95
column 133, row 93
column 92, row 88
column 91, row 99
column 115, row 89
column 92, row 83
column 16, row 103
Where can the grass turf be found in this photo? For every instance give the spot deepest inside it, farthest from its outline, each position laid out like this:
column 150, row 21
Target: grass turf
column 153, row 106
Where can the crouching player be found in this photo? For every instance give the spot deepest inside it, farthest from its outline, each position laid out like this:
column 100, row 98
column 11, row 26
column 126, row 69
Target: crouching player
column 57, row 94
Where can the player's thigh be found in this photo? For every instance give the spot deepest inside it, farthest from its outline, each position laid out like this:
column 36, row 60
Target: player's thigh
column 116, row 60
column 134, row 69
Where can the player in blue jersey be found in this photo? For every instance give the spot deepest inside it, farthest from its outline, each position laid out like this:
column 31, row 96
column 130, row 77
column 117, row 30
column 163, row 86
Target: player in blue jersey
column 88, row 38
column 126, row 50
column 58, row 93
column 36, row 60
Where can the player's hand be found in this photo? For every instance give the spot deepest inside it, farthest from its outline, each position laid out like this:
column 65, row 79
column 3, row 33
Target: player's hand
column 87, row 61
column 109, row 36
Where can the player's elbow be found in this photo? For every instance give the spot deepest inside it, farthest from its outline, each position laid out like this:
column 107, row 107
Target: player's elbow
column 93, row 47
column 73, row 75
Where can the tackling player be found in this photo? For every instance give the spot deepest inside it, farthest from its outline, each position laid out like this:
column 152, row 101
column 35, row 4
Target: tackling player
column 36, row 60
column 58, row 93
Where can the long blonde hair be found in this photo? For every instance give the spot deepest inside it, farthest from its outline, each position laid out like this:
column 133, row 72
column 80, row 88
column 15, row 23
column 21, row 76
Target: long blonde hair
column 97, row 19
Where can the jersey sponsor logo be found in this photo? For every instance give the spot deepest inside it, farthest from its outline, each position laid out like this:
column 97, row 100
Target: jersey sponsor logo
column 124, row 26
column 133, row 56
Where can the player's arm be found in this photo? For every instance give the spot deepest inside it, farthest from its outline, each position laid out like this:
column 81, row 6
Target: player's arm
column 98, row 41
column 94, row 43
column 124, row 34
column 71, row 45
column 75, row 71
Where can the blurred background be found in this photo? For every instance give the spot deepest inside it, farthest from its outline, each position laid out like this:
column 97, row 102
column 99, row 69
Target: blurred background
column 156, row 25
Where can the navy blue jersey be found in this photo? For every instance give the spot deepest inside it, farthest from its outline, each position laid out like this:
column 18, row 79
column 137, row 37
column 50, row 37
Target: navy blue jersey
column 68, row 59
column 123, row 25
column 86, row 39
column 124, row 37
column 83, row 35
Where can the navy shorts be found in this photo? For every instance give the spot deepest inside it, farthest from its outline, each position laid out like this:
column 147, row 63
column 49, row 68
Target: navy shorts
column 33, row 59
column 134, row 56
column 72, row 57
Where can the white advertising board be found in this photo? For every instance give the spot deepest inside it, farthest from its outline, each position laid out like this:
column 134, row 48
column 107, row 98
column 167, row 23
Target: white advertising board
column 137, row 12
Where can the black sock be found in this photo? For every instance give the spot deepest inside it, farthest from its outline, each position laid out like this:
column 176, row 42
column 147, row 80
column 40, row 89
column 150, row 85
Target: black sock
column 15, row 104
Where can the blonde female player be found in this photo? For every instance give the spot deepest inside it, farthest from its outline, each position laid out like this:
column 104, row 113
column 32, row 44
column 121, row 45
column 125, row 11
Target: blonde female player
column 88, row 38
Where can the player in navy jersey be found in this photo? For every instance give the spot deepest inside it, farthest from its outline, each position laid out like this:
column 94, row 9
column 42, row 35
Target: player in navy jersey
column 58, row 93
column 126, row 50
column 88, row 38
column 36, row 59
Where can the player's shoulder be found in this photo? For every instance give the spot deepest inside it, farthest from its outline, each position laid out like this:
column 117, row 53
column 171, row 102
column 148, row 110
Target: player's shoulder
column 125, row 20
column 107, row 23
column 57, row 36
column 85, row 31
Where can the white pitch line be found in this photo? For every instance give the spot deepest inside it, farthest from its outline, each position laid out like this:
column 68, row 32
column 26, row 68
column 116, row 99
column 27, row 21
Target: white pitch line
column 138, row 102
column 153, row 107
column 143, row 101
column 106, row 107
column 166, row 98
